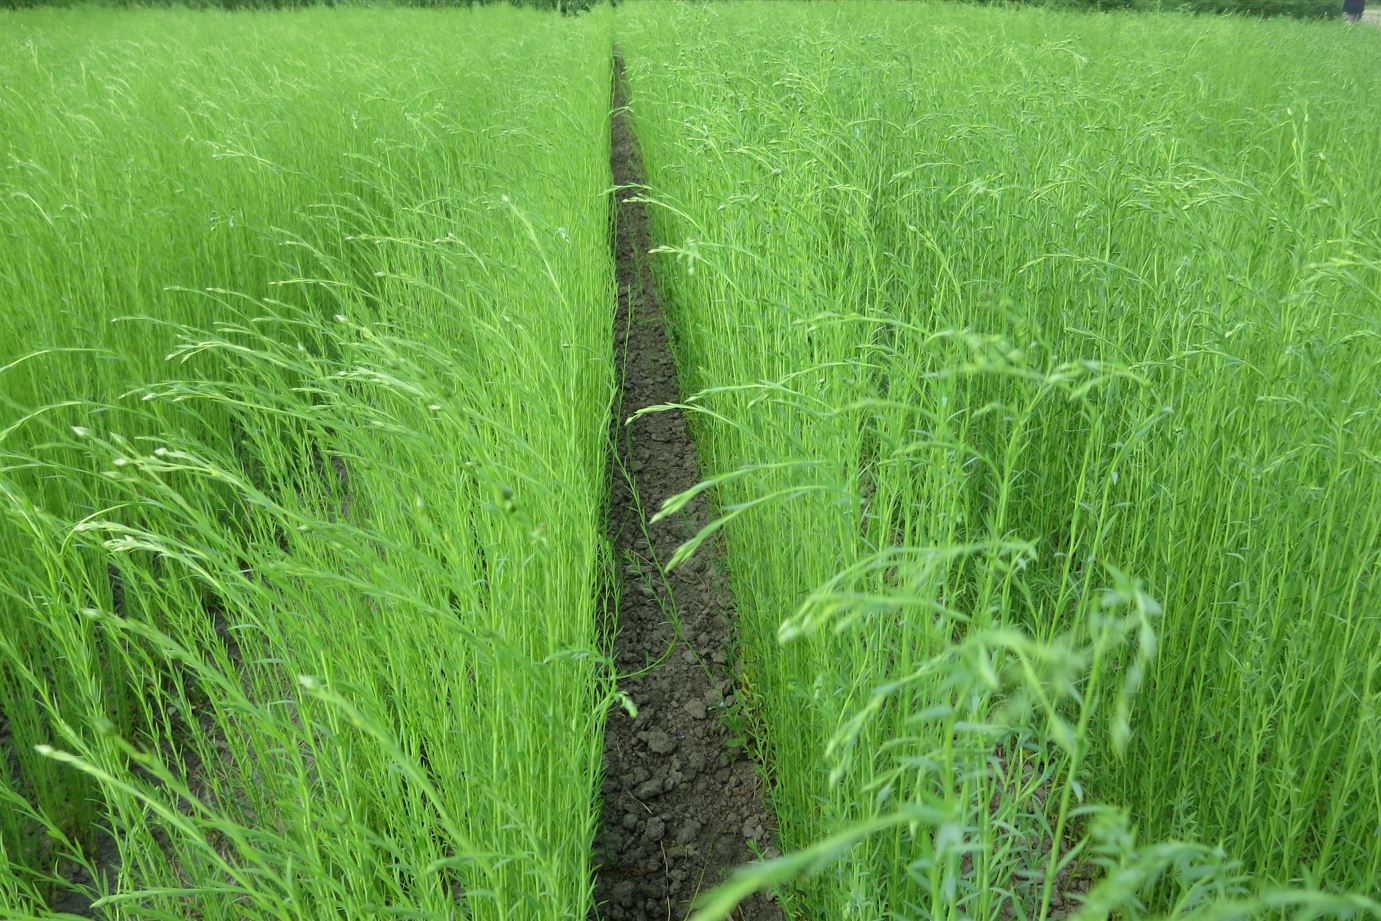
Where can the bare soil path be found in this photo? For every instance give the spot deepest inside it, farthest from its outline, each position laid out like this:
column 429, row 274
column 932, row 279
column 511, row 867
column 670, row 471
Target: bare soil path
column 680, row 803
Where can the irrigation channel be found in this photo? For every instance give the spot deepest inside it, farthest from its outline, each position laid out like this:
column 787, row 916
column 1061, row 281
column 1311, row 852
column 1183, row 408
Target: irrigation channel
column 681, row 805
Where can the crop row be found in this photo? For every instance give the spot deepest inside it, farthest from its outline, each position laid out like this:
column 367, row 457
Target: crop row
column 298, row 613
column 1035, row 357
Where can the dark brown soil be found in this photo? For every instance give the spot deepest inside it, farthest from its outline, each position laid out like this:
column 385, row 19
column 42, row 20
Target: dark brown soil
column 681, row 804
column 77, row 900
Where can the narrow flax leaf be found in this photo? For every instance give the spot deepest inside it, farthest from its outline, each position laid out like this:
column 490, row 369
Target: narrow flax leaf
column 720, row 902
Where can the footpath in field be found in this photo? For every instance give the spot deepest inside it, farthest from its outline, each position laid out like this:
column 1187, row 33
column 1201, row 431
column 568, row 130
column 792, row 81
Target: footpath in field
column 681, row 806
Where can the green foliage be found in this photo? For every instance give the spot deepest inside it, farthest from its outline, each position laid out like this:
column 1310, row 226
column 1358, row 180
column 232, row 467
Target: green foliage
column 1299, row 9
column 562, row 6
column 1035, row 357
column 305, row 372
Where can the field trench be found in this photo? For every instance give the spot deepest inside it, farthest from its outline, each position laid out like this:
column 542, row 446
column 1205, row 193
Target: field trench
column 681, row 805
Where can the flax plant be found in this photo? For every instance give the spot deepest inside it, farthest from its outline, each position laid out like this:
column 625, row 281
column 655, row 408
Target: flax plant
column 1034, row 357
column 305, row 367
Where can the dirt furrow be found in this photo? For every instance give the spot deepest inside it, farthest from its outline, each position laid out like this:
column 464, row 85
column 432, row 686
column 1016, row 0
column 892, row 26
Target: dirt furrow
column 682, row 805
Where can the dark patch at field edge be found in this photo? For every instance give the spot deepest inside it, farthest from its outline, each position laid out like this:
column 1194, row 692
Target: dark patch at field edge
column 680, row 804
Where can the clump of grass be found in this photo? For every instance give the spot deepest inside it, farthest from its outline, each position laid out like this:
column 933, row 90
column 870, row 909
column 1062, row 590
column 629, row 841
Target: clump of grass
column 1036, row 357
column 302, row 463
